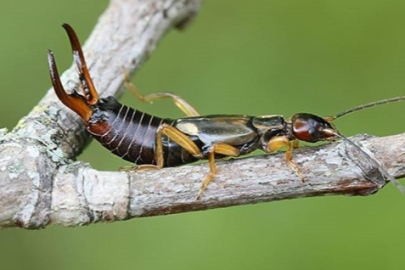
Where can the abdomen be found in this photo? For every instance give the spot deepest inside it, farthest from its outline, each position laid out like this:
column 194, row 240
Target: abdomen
column 131, row 134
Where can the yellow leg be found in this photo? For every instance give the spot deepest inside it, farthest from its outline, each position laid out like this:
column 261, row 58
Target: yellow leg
column 183, row 105
column 278, row 142
column 175, row 135
column 185, row 142
column 178, row 137
column 127, row 168
column 222, row 149
column 295, row 144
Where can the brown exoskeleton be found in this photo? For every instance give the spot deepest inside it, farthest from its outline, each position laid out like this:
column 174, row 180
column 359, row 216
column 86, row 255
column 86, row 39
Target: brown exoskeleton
column 153, row 143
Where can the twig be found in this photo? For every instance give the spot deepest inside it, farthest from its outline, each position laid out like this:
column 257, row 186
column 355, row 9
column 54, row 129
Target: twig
column 40, row 185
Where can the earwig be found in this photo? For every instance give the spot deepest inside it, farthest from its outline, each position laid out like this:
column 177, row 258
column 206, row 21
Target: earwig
column 153, row 143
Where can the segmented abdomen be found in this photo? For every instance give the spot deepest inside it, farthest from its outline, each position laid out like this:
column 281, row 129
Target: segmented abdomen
column 131, row 134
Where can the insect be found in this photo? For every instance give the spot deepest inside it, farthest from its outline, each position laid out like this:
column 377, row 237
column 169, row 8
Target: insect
column 153, row 143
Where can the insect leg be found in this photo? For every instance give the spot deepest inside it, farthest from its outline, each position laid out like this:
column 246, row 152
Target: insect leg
column 219, row 148
column 178, row 137
column 280, row 141
column 185, row 142
column 183, row 105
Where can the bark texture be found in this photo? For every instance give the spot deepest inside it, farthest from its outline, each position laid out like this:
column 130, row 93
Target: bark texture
column 40, row 185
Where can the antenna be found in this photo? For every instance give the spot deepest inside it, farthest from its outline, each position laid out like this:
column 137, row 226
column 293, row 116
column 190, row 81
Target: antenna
column 368, row 105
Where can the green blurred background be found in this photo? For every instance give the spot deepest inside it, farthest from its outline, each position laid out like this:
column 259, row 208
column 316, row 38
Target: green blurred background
column 246, row 57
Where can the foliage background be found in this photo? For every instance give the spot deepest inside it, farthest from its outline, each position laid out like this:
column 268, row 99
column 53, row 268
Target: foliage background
column 246, row 57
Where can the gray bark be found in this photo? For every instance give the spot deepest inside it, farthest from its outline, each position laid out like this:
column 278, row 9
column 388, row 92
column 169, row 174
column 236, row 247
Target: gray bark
column 40, row 185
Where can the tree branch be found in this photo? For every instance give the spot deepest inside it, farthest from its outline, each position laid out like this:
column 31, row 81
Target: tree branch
column 40, row 185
